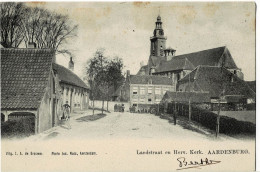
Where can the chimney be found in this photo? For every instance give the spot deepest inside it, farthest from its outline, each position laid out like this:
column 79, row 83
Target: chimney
column 71, row 64
column 127, row 73
column 31, row 45
column 142, row 71
column 169, row 53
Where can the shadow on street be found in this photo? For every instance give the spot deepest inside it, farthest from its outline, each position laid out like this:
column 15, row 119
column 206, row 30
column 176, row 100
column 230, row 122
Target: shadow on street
column 91, row 117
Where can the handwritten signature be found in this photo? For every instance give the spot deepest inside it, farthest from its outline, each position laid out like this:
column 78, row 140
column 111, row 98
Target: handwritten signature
column 184, row 164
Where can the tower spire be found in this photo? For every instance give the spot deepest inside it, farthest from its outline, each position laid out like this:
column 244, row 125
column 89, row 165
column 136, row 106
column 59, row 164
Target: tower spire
column 158, row 40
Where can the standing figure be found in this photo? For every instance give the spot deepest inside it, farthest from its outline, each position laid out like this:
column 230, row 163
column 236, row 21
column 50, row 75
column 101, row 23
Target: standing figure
column 66, row 114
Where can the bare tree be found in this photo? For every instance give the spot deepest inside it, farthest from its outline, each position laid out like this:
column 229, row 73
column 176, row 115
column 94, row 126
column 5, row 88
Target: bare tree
column 48, row 29
column 32, row 24
column 12, row 15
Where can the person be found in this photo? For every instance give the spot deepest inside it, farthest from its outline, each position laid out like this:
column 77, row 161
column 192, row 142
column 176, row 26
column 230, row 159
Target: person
column 66, row 114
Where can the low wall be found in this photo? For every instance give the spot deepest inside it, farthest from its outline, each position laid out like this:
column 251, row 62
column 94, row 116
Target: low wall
column 111, row 104
column 248, row 116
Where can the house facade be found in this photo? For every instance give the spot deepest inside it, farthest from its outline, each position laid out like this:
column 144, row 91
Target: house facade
column 144, row 90
column 73, row 90
column 30, row 87
column 33, row 85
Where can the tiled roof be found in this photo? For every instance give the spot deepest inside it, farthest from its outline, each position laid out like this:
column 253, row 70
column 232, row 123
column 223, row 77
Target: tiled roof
column 195, row 97
column 68, row 77
column 144, row 79
column 210, row 57
column 24, row 77
column 177, row 64
column 212, row 79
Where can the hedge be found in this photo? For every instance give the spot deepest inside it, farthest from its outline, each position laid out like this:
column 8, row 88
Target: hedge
column 19, row 127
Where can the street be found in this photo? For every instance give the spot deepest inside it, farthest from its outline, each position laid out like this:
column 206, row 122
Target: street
column 123, row 125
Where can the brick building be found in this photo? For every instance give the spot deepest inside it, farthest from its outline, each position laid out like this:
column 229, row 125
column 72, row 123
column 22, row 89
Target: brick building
column 144, row 90
column 32, row 85
column 74, row 90
column 163, row 61
column 219, row 82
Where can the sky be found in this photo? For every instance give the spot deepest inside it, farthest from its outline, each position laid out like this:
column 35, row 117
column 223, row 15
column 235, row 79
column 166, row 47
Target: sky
column 124, row 30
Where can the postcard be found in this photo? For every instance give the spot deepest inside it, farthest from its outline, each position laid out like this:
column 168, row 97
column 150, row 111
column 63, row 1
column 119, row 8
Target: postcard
column 128, row 86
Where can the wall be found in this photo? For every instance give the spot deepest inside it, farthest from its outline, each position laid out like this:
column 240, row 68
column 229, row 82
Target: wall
column 98, row 104
column 44, row 115
column 143, row 98
column 79, row 97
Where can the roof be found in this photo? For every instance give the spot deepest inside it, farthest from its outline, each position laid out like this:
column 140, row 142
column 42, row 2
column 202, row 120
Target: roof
column 144, row 79
column 24, row 77
column 177, row 64
column 195, row 97
column 209, row 57
column 215, row 80
column 143, row 68
column 67, row 76
column 252, row 85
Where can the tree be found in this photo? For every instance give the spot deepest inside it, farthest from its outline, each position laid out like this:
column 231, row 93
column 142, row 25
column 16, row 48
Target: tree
column 48, row 29
column 96, row 74
column 20, row 23
column 114, row 77
column 104, row 75
column 12, row 15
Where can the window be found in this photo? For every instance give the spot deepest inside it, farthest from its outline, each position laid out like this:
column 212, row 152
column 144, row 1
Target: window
column 53, row 86
column 157, row 100
column 178, row 76
column 142, row 91
column 149, row 100
column 142, row 100
column 135, row 90
column 135, row 99
column 135, row 105
column 150, row 90
column 158, row 91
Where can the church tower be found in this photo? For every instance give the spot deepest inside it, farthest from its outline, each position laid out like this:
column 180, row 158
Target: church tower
column 158, row 40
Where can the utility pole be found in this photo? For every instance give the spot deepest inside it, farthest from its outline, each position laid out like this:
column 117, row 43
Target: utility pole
column 219, row 105
column 189, row 100
column 174, row 113
column 92, row 92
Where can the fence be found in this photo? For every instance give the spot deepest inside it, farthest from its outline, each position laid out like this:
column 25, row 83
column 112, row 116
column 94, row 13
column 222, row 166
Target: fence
column 208, row 119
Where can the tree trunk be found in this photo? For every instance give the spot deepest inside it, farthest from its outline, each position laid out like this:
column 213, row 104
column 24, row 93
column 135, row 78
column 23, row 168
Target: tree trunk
column 218, row 118
column 189, row 109
column 107, row 105
column 93, row 105
column 102, row 106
